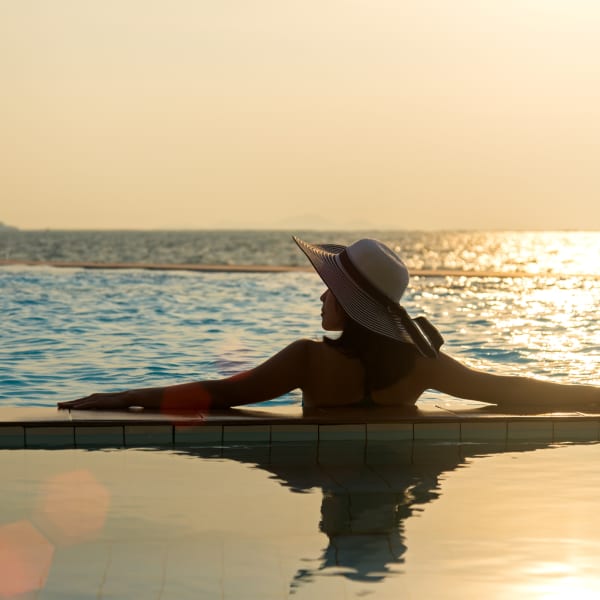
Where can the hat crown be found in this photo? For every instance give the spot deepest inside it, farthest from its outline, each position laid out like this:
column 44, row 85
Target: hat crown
column 381, row 266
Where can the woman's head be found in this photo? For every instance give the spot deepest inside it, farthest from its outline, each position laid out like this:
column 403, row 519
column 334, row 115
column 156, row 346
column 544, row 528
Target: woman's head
column 368, row 280
column 333, row 317
column 384, row 360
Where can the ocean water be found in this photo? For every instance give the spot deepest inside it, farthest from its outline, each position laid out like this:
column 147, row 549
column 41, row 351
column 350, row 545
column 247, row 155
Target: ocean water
column 70, row 332
column 542, row 252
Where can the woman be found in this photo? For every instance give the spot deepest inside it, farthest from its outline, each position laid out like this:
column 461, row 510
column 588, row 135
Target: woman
column 383, row 357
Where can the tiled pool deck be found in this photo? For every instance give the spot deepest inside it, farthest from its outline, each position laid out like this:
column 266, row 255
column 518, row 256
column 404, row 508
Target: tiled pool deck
column 448, row 421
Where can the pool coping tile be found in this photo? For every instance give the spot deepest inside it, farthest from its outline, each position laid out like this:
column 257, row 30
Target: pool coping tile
column 389, row 431
column 112, row 436
column 32, row 415
column 133, row 417
column 139, row 436
column 12, row 436
column 449, row 431
column 192, row 435
column 294, row 433
column 530, row 430
column 573, row 431
column 343, row 432
column 258, row 415
column 280, row 425
column 477, row 431
column 43, row 436
column 246, row 433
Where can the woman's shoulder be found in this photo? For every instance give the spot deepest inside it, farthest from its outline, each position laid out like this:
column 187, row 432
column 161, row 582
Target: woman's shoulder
column 320, row 356
column 309, row 349
column 321, row 349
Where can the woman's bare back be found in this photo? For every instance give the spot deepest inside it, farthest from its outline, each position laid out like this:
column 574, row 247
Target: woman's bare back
column 334, row 379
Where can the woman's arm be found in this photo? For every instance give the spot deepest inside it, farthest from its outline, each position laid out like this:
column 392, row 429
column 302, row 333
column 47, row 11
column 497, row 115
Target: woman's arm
column 280, row 374
column 510, row 393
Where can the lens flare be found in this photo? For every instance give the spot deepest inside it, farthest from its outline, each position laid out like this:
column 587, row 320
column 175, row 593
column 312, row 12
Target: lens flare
column 25, row 559
column 185, row 398
column 72, row 507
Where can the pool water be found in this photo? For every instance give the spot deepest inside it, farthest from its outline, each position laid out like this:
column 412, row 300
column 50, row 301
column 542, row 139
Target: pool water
column 251, row 521
column 70, row 332
column 435, row 521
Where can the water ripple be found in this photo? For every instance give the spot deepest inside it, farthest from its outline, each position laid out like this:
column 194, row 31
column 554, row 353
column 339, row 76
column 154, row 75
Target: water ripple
column 67, row 333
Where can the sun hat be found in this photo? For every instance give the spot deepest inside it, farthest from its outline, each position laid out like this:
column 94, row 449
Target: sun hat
column 368, row 279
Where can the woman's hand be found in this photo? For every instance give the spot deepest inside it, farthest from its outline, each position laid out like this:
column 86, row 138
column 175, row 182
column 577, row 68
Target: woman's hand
column 103, row 401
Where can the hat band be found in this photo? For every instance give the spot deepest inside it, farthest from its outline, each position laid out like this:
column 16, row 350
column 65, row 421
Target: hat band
column 363, row 282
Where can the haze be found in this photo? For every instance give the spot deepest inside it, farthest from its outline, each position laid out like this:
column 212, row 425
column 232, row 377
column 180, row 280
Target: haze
column 393, row 114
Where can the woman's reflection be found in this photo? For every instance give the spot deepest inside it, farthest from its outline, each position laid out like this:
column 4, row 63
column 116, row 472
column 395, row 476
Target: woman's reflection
column 365, row 504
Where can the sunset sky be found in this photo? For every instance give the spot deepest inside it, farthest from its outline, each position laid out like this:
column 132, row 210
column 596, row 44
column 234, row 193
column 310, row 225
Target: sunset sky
column 396, row 114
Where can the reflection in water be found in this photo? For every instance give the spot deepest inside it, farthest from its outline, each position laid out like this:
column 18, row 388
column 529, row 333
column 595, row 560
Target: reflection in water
column 281, row 519
column 365, row 529
column 365, row 506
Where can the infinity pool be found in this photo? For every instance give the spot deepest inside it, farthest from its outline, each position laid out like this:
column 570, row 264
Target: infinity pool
column 426, row 520
column 70, row 332
column 434, row 521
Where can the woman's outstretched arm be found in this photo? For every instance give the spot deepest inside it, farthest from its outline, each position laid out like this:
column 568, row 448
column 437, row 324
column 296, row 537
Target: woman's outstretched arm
column 280, row 374
column 510, row 393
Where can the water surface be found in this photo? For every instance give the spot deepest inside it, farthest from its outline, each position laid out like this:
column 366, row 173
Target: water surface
column 69, row 332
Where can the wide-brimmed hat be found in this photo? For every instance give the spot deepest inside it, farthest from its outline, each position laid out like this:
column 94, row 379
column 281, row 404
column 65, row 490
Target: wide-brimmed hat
column 368, row 279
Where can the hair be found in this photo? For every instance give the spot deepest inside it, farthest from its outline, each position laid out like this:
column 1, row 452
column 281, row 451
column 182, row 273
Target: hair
column 384, row 360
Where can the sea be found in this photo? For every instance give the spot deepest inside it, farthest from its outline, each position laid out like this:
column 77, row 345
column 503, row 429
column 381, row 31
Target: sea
column 521, row 303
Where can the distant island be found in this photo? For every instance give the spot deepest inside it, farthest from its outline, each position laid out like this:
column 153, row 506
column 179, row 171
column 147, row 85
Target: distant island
column 4, row 227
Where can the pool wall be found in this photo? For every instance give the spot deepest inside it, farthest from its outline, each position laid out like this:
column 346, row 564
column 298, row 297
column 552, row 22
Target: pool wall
column 451, row 421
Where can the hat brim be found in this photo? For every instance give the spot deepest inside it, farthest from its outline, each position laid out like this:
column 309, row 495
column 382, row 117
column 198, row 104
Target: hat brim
column 388, row 320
